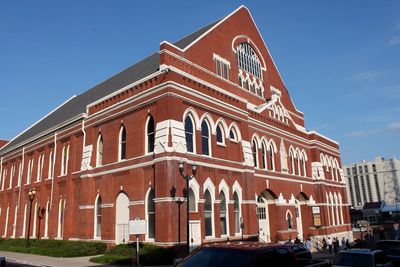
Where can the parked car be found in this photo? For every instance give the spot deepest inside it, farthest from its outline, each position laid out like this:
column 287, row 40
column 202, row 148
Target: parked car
column 2, row 261
column 391, row 248
column 241, row 254
column 302, row 255
column 361, row 258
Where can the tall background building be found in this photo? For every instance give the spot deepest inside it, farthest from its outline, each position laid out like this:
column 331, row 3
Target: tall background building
column 373, row 181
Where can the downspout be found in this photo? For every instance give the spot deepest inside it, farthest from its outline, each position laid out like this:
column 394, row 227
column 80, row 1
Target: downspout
column 52, row 171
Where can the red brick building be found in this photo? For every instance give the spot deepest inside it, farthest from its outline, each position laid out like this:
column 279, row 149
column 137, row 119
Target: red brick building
column 214, row 98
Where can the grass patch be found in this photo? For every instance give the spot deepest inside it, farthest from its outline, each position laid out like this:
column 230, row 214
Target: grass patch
column 123, row 254
column 53, row 248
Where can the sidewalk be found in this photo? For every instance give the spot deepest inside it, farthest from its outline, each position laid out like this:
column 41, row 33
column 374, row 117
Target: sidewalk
column 38, row 260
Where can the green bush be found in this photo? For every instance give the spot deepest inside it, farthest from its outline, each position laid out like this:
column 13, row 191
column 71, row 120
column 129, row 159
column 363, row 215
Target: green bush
column 123, row 254
column 54, row 248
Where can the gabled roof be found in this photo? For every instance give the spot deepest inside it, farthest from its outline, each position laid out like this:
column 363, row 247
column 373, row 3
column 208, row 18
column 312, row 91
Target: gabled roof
column 76, row 106
column 192, row 37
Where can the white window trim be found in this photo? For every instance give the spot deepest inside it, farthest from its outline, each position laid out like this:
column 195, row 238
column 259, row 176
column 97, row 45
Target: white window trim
column 120, row 143
column 98, row 162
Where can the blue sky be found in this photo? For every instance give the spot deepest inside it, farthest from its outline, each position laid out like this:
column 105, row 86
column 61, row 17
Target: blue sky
column 340, row 60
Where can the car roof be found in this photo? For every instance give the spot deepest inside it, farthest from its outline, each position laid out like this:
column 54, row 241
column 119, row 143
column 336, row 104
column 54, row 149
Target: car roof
column 388, row 242
column 359, row 251
column 243, row 245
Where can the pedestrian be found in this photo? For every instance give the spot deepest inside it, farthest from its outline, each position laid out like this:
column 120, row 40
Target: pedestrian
column 308, row 244
column 324, row 245
column 347, row 244
column 343, row 246
column 289, row 241
column 329, row 242
column 297, row 241
column 335, row 245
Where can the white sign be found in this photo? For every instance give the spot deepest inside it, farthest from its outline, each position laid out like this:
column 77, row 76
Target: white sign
column 137, row 227
column 315, row 210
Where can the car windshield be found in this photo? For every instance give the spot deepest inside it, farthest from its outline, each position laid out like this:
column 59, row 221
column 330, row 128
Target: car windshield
column 221, row 257
column 353, row 260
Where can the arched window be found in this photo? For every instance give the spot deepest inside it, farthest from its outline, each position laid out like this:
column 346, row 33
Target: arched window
column 220, row 134
column 6, row 222
column 97, row 218
column 46, row 220
column 271, row 159
column 99, row 156
column 232, row 134
column 189, row 134
column 50, row 170
column 248, row 60
column 291, row 162
column 298, row 172
column 222, row 213
column 192, row 200
column 122, row 143
column 236, row 212
column 60, row 219
column 255, row 153
column 151, row 212
column 205, row 138
column 289, row 220
column 263, row 156
column 64, row 159
column 150, row 134
column 208, row 213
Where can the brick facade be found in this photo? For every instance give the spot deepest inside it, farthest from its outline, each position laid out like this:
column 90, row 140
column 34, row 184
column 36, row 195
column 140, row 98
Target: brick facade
column 303, row 171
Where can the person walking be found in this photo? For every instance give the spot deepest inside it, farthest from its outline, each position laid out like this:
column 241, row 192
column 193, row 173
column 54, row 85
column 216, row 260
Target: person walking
column 329, row 242
column 324, row 245
column 335, row 245
column 308, row 244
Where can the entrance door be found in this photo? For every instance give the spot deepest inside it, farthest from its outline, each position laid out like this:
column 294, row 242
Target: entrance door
column 195, row 234
column 299, row 221
column 263, row 221
column 122, row 219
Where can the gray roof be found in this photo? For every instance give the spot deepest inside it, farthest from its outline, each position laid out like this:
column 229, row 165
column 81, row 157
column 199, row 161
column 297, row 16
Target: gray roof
column 77, row 105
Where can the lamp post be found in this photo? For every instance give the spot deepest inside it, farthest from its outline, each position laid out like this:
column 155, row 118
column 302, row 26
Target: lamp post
column 187, row 178
column 31, row 196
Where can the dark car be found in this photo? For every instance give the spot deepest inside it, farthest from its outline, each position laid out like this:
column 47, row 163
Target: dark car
column 302, row 255
column 241, row 254
column 391, row 248
column 361, row 258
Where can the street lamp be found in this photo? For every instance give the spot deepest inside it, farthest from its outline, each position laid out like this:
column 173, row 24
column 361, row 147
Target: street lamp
column 187, row 178
column 31, row 196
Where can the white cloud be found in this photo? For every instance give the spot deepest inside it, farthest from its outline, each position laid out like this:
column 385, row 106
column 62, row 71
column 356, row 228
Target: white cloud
column 367, row 75
column 394, row 126
column 395, row 40
column 363, row 133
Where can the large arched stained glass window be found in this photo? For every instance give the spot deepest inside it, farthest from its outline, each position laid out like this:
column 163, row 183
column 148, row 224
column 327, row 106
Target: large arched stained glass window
column 248, row 60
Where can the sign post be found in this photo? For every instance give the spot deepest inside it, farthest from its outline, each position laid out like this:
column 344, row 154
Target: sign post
column 137, row 227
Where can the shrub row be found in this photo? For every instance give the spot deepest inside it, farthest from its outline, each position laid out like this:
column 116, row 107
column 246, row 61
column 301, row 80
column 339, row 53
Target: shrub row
column 124, row 254
column 54, row 248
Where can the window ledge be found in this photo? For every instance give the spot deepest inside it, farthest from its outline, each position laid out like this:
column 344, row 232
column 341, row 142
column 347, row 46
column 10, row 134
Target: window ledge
column 234, row 141
column 221, row 144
